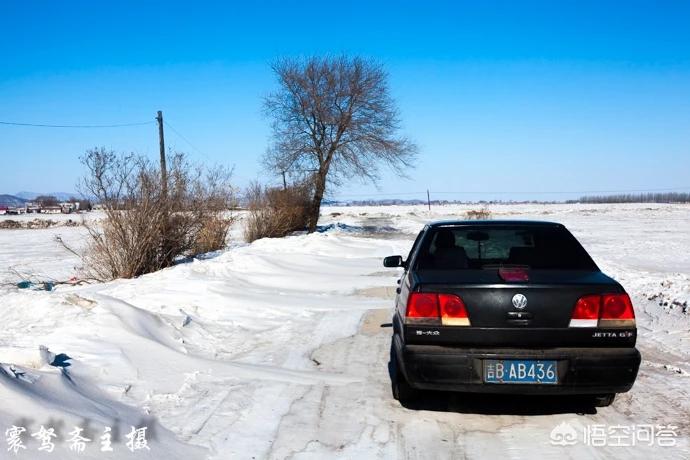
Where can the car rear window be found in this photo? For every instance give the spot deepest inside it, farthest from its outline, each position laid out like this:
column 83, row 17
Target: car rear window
column 476, row 247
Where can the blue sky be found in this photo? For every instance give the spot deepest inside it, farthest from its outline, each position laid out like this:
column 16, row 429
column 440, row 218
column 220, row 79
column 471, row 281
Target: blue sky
column 502, row 97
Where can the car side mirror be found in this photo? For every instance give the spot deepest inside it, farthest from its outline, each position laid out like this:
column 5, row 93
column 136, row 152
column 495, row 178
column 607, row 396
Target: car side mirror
column 393, row 261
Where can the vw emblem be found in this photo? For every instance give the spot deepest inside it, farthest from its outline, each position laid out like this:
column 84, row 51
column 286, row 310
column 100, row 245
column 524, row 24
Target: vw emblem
column 519, row 301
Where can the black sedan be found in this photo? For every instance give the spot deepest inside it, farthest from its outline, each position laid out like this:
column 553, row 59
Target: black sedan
column 509, row 307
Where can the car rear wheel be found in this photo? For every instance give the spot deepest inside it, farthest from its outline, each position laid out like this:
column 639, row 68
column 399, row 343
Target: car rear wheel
column 604, row 400
column 402, row 391
column 400, row 388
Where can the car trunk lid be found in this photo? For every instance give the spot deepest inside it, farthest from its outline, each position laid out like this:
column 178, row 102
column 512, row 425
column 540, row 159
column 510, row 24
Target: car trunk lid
column 545, row 300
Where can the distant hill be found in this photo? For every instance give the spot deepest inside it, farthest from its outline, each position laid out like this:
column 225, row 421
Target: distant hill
column 11, row 200
column 61, row 196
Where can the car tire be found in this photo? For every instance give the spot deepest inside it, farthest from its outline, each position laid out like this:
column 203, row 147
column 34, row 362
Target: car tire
column 604, row 400
column 400, row 388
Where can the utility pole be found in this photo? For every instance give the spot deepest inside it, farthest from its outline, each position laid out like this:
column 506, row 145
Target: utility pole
column 164, row 170
column 428, row 199
column 165, row 240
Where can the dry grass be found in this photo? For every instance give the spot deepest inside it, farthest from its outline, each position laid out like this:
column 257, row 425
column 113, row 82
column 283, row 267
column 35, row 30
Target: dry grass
column 481, row 214
column 212, row 234
column 275, row 212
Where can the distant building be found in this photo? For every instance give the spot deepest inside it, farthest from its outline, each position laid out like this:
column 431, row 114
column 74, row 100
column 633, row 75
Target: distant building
column 15, row 210
column 51, row 209
column 33, row 208
column 69, row 207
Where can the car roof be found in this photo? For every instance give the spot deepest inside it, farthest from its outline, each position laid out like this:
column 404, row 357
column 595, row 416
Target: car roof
column 490, row 222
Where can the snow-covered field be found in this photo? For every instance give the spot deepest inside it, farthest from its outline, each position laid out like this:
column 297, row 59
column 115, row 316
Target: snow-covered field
column 276, row 350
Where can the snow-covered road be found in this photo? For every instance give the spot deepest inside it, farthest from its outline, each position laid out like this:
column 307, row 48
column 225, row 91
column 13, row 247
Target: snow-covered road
column 277, row 350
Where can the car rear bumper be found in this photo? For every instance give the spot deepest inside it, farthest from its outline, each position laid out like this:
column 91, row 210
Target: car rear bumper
column 580, row 370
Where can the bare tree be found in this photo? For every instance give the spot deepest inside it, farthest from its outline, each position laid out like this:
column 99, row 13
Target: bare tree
column 46, row 200
column 658, row 197
column 333, row 118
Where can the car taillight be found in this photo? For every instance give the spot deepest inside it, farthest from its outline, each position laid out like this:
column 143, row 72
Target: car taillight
column 453, row 311
column 606, row 310
column 616, row 310
column 586, row 312
column 436, row 308
column 422, row 305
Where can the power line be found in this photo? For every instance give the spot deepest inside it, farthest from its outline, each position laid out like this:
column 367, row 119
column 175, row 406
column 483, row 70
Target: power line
column 117, row 125
column 185, row 139
column 39, row 125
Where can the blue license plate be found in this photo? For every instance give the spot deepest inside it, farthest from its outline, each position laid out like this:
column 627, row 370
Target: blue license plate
column 520, row 371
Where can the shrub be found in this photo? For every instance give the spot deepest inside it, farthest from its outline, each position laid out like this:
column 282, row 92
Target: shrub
column 481, row 214
column 146, row 226
column 276, row 212
column 212, row 234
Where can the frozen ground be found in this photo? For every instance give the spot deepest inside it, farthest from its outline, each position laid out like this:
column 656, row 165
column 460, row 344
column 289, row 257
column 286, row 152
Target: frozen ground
column 275, row 350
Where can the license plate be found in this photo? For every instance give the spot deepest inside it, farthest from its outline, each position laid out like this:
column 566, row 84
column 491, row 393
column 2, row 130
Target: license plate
column 520, row 371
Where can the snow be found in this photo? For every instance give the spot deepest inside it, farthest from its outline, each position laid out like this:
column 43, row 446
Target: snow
column 276, row 350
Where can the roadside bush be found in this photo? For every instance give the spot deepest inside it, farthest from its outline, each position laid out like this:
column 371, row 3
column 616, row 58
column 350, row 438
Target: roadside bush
column 482, row 214
column 212, row 234
column 276, row 212
column 148, row 226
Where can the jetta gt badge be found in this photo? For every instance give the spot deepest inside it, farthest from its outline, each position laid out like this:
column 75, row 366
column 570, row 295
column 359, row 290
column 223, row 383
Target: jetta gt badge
column 519, row 301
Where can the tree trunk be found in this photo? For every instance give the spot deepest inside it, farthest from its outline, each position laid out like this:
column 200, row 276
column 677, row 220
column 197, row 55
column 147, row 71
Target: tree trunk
column 319, row 189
